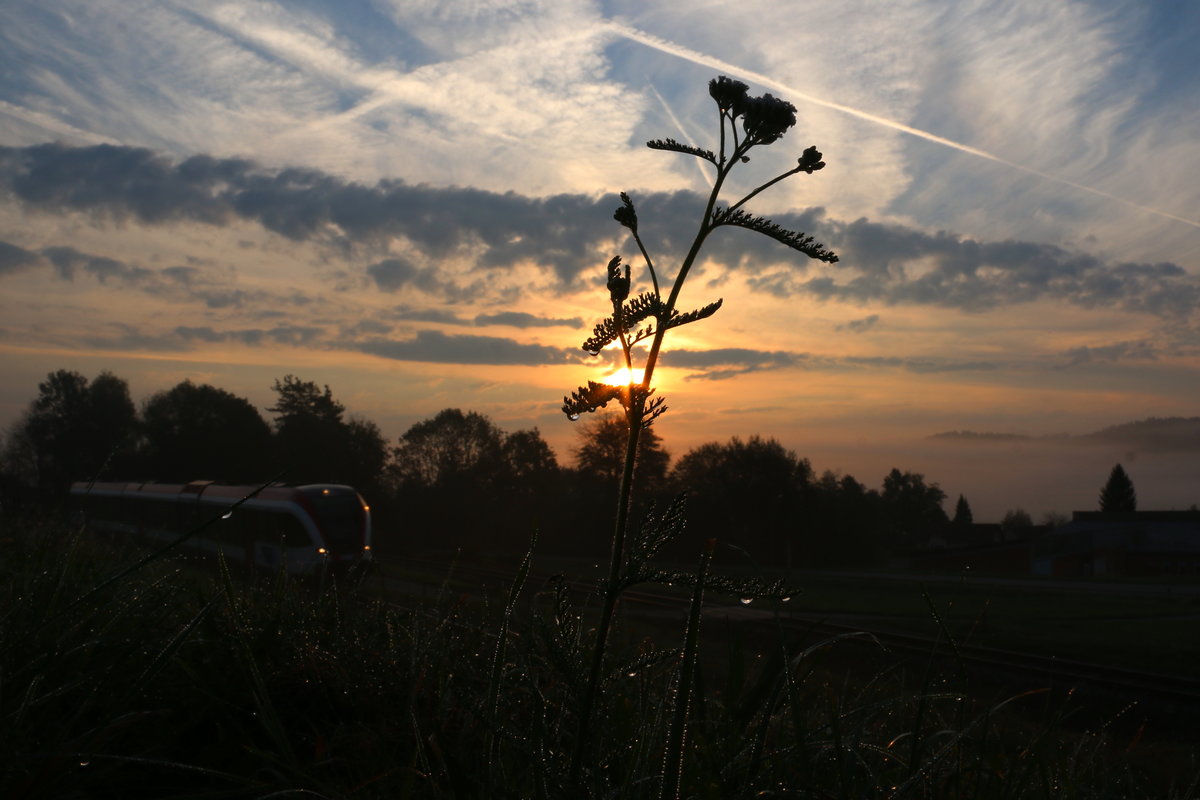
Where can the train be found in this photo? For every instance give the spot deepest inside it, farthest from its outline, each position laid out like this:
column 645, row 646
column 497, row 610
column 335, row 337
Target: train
column 300, row 530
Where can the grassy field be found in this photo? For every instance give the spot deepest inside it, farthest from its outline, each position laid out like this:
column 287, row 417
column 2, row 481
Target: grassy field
column 1085, row 620
column 173, row 681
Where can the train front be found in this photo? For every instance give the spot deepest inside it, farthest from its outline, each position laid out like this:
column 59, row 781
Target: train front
column 343, row 522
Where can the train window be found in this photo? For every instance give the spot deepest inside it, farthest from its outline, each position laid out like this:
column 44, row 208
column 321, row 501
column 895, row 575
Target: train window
column 157, row 515
column 245, row 525
column 292, row 532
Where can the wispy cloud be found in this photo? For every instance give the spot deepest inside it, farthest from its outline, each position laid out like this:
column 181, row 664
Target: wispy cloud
column 521, row 319
column 859, row 325
column 436, row 347
column 794, row 93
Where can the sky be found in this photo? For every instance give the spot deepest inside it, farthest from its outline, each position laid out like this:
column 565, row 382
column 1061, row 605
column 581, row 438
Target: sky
column 412, row 203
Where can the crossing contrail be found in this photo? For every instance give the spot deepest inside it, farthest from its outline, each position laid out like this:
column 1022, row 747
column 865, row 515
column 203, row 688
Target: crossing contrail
column 696, row 57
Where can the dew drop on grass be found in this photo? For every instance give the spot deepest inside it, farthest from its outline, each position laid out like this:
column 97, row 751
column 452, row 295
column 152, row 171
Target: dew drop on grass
column 573, row 417
column 633, row 674
column 228, row 514
column 787, row 599
column 746, row 601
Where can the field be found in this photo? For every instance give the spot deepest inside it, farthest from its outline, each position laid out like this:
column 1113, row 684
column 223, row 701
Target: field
column 180, row 680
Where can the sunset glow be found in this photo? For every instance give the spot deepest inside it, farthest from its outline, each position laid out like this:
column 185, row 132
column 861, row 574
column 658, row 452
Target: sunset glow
column 625, row 377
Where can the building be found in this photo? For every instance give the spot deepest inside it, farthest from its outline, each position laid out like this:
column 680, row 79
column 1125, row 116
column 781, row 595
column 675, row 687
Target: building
column 1126, row 543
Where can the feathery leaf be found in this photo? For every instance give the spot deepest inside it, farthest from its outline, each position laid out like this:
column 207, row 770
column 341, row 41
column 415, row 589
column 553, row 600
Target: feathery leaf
column 678, row 147
column 793, row 239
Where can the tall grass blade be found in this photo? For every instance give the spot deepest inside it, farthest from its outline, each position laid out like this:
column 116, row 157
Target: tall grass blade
column 677, row 734
column 493, row 693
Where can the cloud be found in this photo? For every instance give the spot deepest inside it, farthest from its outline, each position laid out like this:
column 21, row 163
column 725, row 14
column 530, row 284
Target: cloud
column 569, row 235
column 859, row 325
column 440, row 348
column 213, row 288
column 294, row 335
column 69, row 262
column 397, row 274
column 1119, row 351
column 895, row 265
column 724, row 363
column 438, row 315
column 15, row 259
column 919, row 365
column 520, row 319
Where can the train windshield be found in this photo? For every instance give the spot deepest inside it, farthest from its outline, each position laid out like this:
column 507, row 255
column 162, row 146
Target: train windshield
column 340, row 518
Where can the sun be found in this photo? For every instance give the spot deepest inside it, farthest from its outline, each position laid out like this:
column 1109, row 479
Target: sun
column 624, row 377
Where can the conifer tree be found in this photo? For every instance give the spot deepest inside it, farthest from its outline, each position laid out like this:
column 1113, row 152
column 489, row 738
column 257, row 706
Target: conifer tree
column 962, row 513
column 1118, row 494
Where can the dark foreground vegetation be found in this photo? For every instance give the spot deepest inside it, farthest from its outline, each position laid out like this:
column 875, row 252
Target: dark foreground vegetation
column 178, row 680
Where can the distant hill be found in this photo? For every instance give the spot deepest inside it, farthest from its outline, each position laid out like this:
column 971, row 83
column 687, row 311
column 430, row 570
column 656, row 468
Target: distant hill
column 1169, row 434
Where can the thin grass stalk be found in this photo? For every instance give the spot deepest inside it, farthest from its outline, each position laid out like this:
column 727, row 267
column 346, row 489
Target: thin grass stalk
column 160, row 659
column 493, row 695
column 611, row 592
column 677, row 734
column 268, row 716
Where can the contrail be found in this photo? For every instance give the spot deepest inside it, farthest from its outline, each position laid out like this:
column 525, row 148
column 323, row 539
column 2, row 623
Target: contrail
column 679, row 51
column 704, row 176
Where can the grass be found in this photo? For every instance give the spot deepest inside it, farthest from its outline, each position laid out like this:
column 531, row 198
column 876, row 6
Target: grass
column 178, row 682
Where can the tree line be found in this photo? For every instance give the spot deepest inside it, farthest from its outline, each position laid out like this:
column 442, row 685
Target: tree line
column 457, row 479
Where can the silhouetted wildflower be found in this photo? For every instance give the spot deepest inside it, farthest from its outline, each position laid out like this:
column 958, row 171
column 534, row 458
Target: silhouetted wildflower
column 729, row 94
column 811, row 161
column 618, row 285
column 625, row 213
column 767, row 118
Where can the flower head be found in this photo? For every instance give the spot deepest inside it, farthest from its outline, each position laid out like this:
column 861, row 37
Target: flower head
column 625, row 214
column 618, row 285
column 729, row 94
column 811, row 161
column 767, row 118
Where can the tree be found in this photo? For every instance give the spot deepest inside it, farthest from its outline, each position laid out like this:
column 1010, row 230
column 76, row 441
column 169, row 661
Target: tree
column 1118, row 494
column 300, row 401
column 73, row 430
column 745, row 493
column 192, row 432
column 962, row 513
column 1016, row 522
column 449, row 450
column 528, row 459
column 366, row 457
column 913, row 508
column 601, row 454
column 842, row 522
column 481, row 488
column 314, row 444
